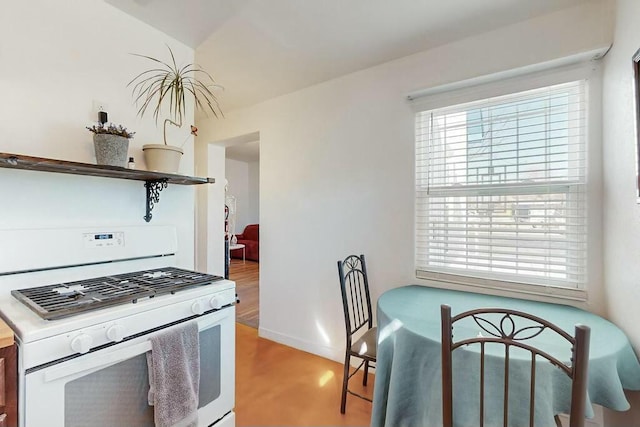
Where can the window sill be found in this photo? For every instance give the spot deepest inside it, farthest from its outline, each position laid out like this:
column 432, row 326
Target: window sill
column 553, row 294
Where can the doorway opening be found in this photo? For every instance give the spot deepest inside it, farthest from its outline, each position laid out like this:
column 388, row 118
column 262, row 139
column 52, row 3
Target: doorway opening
column 242, row 198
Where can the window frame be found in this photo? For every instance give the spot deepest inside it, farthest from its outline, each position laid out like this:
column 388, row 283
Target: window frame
column 498, row 86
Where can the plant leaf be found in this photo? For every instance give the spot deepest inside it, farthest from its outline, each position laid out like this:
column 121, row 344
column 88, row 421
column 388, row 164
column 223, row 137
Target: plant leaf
column 171, row 84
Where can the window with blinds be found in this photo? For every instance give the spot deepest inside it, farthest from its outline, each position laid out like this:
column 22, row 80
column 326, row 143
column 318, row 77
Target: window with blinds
column 501, row 188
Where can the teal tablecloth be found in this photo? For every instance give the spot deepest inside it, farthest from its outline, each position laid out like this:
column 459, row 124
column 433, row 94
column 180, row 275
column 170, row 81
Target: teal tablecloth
column 408, row 387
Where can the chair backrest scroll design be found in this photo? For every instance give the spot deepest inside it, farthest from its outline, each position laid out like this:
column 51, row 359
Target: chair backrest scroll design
column 356, row 299
column 512, row 328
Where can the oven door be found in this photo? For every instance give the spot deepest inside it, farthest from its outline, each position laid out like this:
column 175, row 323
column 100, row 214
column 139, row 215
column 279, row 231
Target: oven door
column 109, row 387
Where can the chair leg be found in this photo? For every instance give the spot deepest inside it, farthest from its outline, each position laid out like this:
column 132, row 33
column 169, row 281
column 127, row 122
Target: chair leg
column 345, row 382
column 366, row 373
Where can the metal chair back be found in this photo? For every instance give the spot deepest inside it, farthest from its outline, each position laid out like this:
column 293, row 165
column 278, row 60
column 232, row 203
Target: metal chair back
column 356, row 300
column 511, row 328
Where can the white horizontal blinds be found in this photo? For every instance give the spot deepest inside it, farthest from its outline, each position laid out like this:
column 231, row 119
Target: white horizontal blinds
column 501, row 188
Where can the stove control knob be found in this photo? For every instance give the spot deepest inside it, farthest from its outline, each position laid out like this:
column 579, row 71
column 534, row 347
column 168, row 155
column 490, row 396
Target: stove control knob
column 115, row 333
column 82, row 343
column 197, row 308
column 216, row 303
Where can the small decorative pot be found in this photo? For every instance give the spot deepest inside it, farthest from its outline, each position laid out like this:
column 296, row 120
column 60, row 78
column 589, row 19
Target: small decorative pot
column 111, row 150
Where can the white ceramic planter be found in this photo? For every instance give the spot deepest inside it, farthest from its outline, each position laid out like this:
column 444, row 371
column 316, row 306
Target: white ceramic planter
column 162, row 158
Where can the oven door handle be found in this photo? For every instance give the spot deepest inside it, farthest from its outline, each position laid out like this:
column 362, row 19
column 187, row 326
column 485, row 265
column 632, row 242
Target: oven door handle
column 96, row 362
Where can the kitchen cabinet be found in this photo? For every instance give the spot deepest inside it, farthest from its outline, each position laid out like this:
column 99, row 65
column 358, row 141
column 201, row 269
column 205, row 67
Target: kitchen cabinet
column 8, row 378
column 154, row 182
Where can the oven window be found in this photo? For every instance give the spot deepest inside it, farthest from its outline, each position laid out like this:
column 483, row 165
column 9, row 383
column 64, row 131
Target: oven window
column 210, row 377
column 114, row 396
column 117, row 395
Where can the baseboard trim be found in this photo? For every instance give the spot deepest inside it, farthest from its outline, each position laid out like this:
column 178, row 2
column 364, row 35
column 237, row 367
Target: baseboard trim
column 304, row 345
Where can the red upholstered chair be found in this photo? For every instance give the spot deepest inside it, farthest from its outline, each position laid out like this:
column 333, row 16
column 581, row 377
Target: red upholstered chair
column 250, row 239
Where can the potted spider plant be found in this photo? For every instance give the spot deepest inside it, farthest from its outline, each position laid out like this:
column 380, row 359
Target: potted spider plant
column 169, row 85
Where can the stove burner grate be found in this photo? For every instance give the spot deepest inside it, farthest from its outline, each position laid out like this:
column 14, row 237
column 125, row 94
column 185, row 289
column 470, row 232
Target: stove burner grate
column 67, row 299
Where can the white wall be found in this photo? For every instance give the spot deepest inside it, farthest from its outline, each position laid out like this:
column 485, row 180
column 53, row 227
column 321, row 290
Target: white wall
column 215, row 235
column 621, row 212
column 56, row 57
column 336, row 173
column 244, row 185
column 237, row 173
column 254, row 193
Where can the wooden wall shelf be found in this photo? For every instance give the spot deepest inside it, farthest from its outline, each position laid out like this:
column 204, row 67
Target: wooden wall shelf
column 154, row 182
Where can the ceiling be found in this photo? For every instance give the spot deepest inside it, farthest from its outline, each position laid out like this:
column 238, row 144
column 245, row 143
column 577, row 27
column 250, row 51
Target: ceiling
column 260, row 49
column 246, row 152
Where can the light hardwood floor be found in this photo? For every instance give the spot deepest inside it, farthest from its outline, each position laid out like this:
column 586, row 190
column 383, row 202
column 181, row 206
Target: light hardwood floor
column 246, row 275
column 277, row 385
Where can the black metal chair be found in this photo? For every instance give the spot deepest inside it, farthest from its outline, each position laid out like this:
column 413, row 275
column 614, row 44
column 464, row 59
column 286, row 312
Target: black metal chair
column 356, row 302
column 512, row 328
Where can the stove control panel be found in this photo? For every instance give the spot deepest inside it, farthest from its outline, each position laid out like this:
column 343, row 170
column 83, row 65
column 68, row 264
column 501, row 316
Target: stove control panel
column 103, row 240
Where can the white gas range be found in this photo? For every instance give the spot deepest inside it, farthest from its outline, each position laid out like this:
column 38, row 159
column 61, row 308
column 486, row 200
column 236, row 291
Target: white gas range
column 84, row 303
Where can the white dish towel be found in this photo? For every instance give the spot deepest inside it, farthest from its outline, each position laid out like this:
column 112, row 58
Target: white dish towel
column 174, row 376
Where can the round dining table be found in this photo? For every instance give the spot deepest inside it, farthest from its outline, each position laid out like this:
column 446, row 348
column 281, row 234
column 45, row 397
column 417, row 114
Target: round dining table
column 408, row 384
